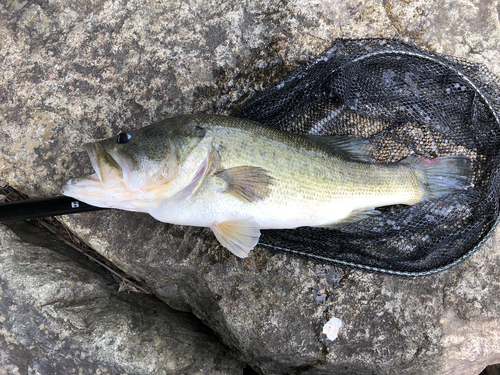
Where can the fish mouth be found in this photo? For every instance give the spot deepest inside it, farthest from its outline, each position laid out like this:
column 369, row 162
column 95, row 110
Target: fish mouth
column 90, row 190
column 108, row 170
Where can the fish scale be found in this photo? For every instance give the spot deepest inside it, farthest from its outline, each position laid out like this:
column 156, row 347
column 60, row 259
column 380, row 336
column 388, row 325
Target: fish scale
column 318, row 178
column 236, row 177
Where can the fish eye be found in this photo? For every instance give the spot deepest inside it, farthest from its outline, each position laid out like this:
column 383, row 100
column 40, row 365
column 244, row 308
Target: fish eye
column 123, row 137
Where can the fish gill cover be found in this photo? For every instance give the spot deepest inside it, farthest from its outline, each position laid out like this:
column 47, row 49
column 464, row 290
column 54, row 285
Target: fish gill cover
column 407, row 101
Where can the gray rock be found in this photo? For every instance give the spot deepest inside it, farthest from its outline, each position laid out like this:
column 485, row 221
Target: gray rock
column 61, row 315
column 271, row 308
column 73, row 73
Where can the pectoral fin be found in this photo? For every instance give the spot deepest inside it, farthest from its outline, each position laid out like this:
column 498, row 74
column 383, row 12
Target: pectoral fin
column 247, row 183
column 239, row 237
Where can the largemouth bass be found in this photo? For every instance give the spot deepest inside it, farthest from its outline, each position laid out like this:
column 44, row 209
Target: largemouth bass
column 236, row 177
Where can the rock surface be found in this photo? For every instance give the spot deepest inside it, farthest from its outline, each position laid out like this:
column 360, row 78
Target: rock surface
column 75, row 72
column 271, row 308
column 61, row 315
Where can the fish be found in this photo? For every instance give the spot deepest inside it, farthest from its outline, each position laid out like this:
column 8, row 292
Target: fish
column 237, row 177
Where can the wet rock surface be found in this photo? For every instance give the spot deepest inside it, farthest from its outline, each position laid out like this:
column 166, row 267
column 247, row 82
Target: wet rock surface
column 77, row 72
column 61, row 314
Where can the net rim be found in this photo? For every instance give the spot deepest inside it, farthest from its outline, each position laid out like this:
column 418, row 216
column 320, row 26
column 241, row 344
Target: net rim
column 439, row 59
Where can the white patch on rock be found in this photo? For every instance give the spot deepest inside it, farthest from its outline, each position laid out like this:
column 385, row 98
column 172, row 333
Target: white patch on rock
column 331, row 328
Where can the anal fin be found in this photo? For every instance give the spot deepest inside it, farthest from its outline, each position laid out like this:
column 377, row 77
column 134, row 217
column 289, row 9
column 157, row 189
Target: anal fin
column 239, row 237
column 247, row 183
column 353, row 217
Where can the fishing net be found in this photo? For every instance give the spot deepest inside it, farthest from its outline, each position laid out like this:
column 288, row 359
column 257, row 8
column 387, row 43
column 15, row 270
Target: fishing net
column 406, row 101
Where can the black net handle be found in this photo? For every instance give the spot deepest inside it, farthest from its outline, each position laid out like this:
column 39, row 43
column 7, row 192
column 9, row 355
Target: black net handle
column 37, row 208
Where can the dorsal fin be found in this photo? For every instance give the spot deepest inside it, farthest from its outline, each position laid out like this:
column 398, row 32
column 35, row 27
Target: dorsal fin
column 356, row 149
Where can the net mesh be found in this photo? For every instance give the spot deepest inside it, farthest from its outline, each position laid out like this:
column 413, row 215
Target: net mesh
column 406, row 101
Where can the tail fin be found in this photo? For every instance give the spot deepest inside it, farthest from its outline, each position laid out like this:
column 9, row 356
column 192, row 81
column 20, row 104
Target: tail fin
column 443, row 175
